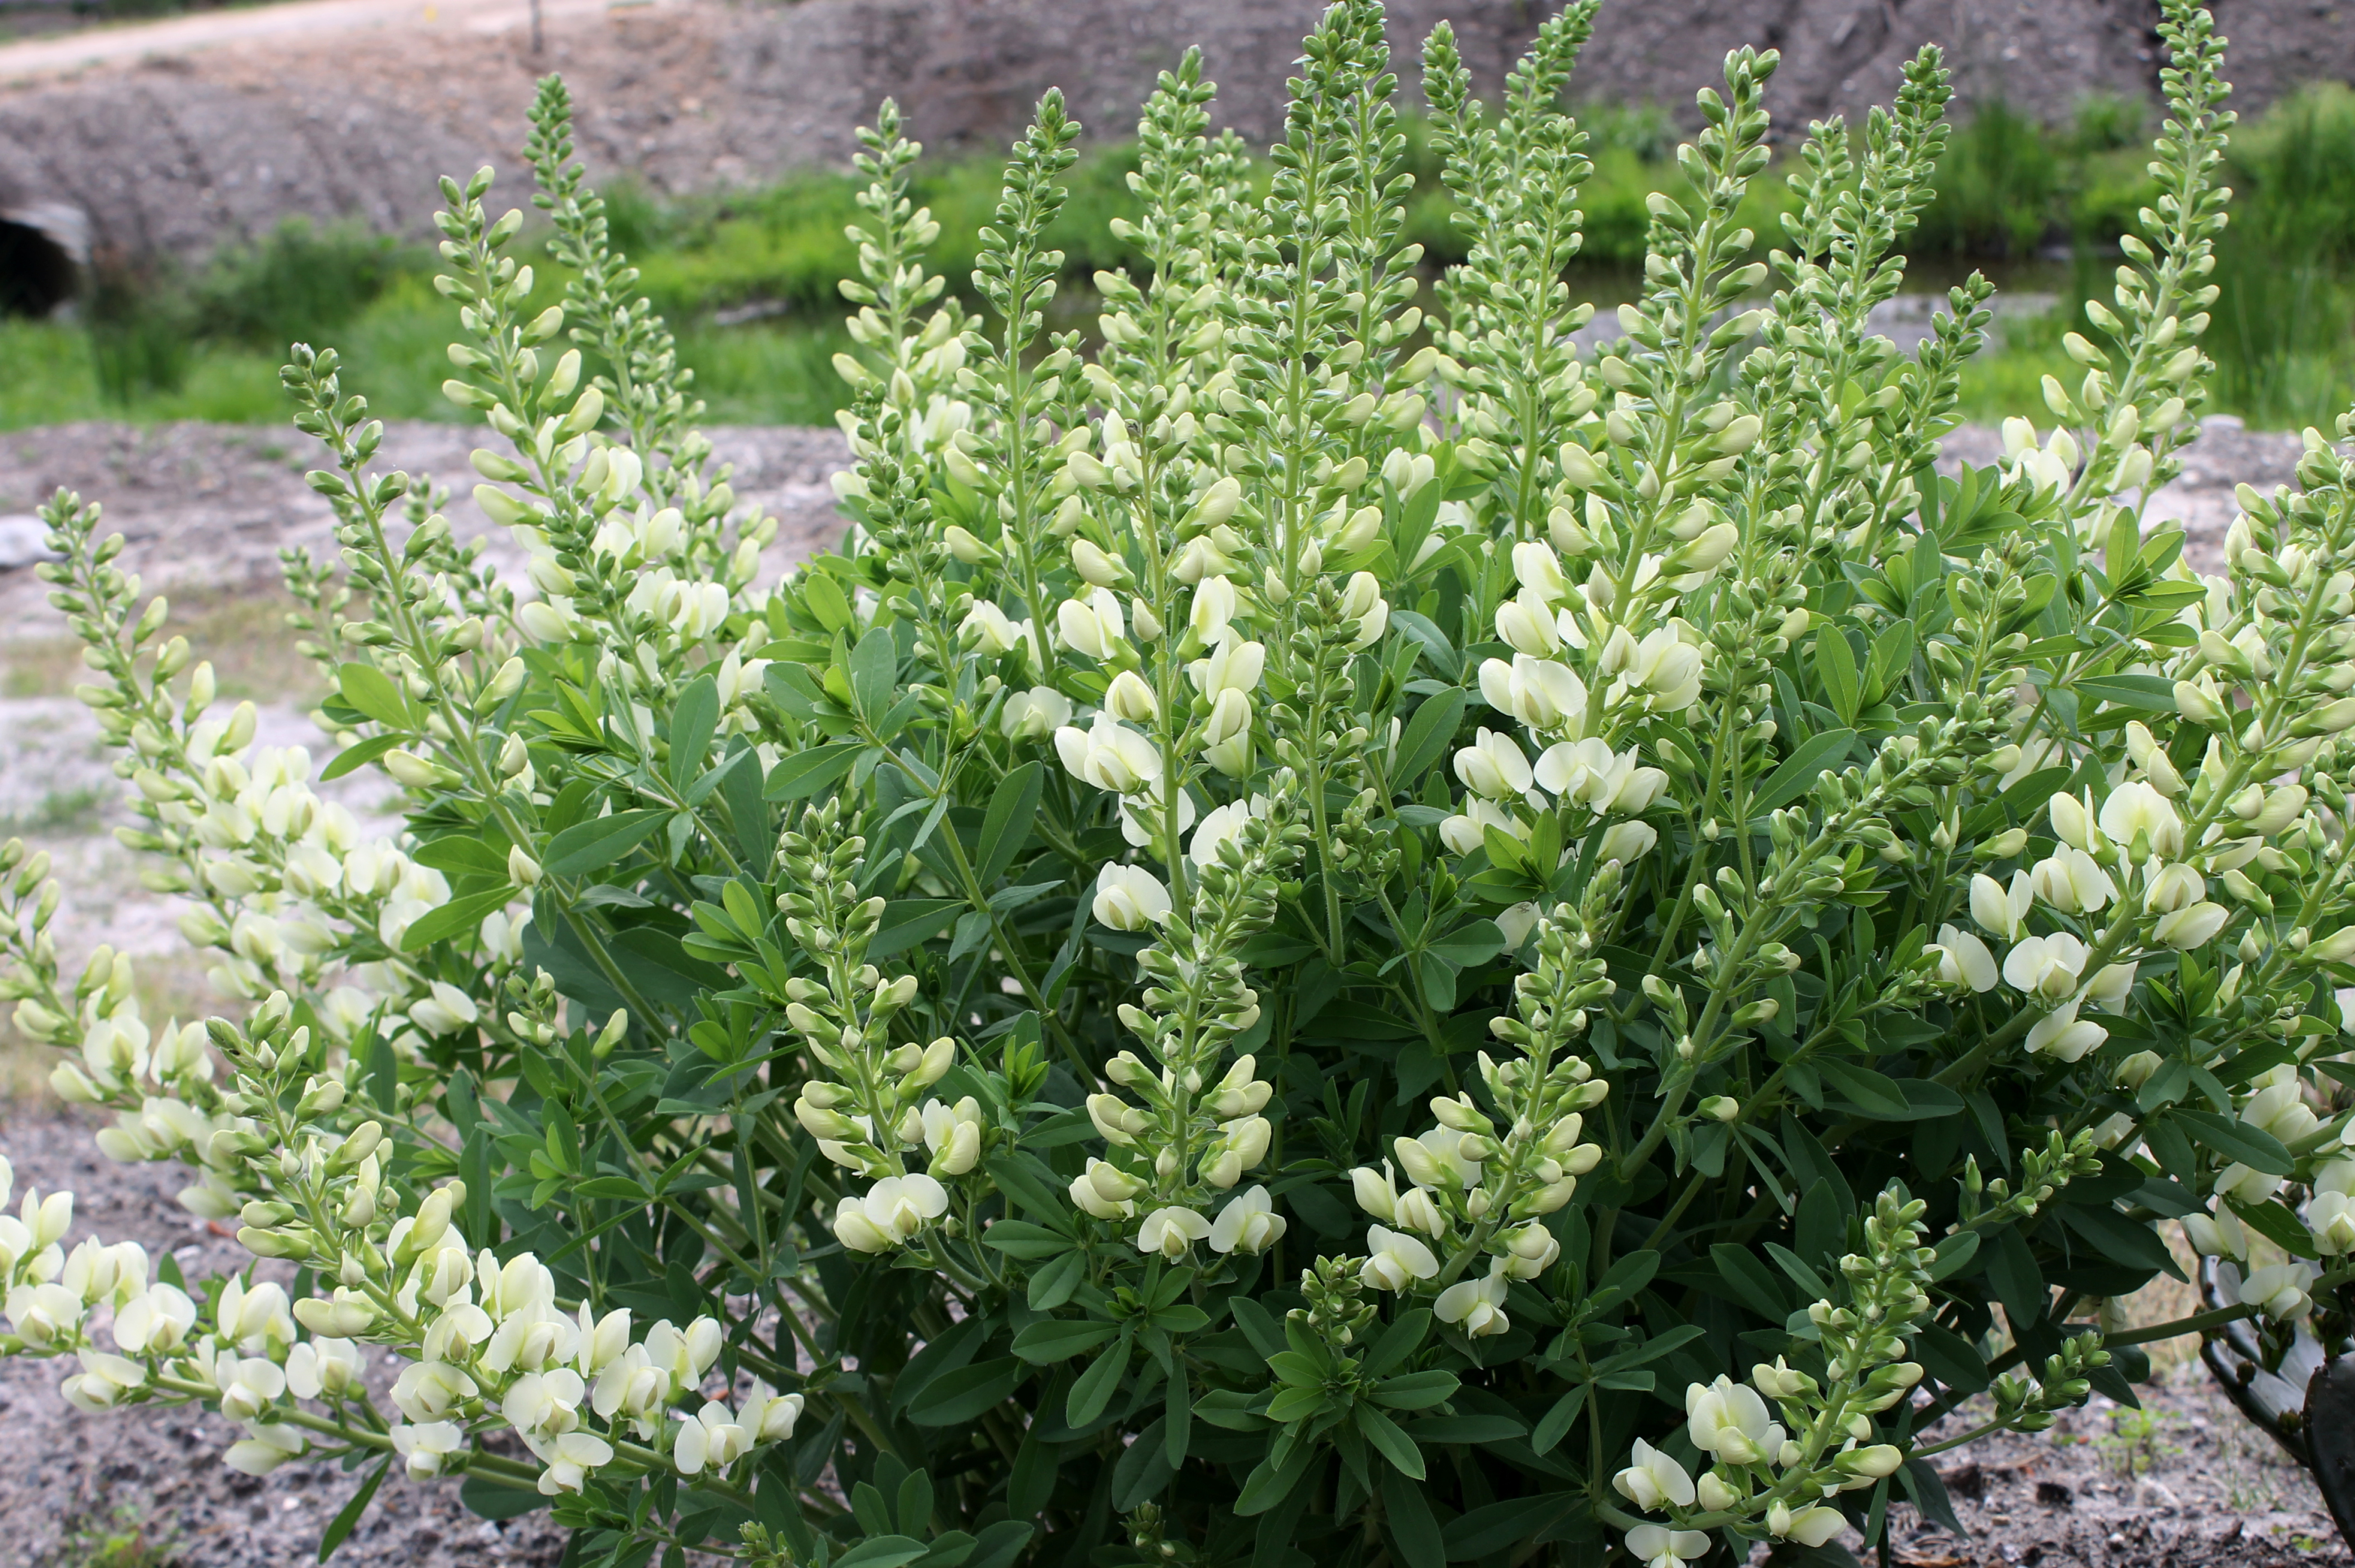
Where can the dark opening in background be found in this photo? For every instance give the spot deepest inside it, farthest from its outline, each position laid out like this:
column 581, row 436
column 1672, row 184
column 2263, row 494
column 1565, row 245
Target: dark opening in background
column 37, row 276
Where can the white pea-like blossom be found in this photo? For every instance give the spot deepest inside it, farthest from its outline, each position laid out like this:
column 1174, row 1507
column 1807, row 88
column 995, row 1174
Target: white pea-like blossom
column 2193, row 925
column 1093, row 626
column 1249, row 1224
column 2047, row 967
column 1109, row 755
column 1171, row 1231
column 1106, row 1192
column 1728, row 1419
column 1654, row 1478
column 1475, row 1306
column 2140, row 818
column 1129, row 897
column 2071, row 881
column 2002, row 911
column 1964, row 959
column 2216, row 1236
column 952, row 1135
column 1541, row 693
column 1494, row 766
column 712, row 1436
column 1034, row 714
column 2279, row 1290
column 1395, row 1260
column 1657, row 1546
column 2064, row 1036
column 892, row 1212
column 426, row 1448
column 2330, row 1214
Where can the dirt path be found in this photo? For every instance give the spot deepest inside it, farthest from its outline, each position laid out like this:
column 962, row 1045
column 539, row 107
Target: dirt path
column 304, row 20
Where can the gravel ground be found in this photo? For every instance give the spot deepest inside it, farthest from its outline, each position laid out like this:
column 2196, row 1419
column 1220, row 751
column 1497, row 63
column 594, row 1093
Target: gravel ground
column 205, row 511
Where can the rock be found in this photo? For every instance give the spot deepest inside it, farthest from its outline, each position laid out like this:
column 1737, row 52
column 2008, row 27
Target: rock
column 1967, row 1481
column 24, row 539
column 175, row 157
column 2150, row 1493
column 2053, row 1494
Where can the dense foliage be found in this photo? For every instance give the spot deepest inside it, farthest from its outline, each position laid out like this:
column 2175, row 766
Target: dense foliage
column 1337, row 935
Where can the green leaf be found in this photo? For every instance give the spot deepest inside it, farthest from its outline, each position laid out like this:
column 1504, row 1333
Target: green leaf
column 1388, row 1441
column 1416, row 1391
column 1271, row 1483
column 1060, row 1340
column 1874, row 1094
column 804, row 773
column 1799, row 771
column 1474, row 1428
column 692, row 722
column 1426, row 736
column 1558, row 1421
column 909, row 922
column 1951, row 1359
column 1468, row 945
column 1738, row 1267
column 2276, row 1224
column 1412, row 1529
column 874, row 670
column 601, row 841
column 1487, row 1535
column 2147, row 694
column 965, row 1393
column 1836, row 669
column 371, row 691
column 348, row 1517
column 359, row 755
column 1003, row 831
column 1398, row 1342
column 464, row 854
column 496, row 1500
column 1000, row 1544
column 458, row 917
column 882, row 1552
column 1095, row 1387
column 1955, row 1254
column 2237, row 1140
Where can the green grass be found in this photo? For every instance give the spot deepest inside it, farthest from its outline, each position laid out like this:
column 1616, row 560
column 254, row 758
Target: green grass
column 207, row 346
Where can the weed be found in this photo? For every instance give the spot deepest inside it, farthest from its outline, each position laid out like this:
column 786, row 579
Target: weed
column 61, row 812
column 127, row 1539
column 2133, row 1447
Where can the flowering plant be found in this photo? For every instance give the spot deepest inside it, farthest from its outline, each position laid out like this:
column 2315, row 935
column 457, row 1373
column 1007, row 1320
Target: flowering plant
column 1334, row 932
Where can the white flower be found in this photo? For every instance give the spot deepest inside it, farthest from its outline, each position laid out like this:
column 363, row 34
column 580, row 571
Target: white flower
column 158, row 1318
column 1657, row 1546
column 1539, row 571
column 1221, row 823
column 1109, row 755
column 321, row 1366
column 1417, row 1211
column 1092, row 626
column 2278, row 1106
column 1728, row 1419
column 2136, row 808
column 952, row 1134
column 1626, row 842
column 445, row 1012
column 2217, row 1236
column 2064, row 1036
column 1654, row 1478
column 712, row 1436
column 1213, row 607
column 893, row 1210
column 1436, row 1160
column 989, row 630
column 1467, row 831
column 1249, row 1224
column 1668, row 670
column 1589, row 774
column 543, row 1405
column 1815, row 1526
column 425, row 1448
column 1105, row 1190
column 1233, row 665
column 265, row 1448
column 1964, row 959
column 2045, row 966
column 1129, row 897
column 2191, row 926
column 1142, row 818
column 1376, row 1192
column 1128, row 697
column 2277, row 1291
column 2071, row 881
column 2173, row 887
column 1494, row 766
column 1533, row 1251
column 1396, row 1260
column 569, row 1459
column 1525, row 624
column 1034, row 714
column 1517, row 921
column 1539, row 693
column 1998, row 912
column 771, row 1416
column 1171, row 1230
column 1477, row 1304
